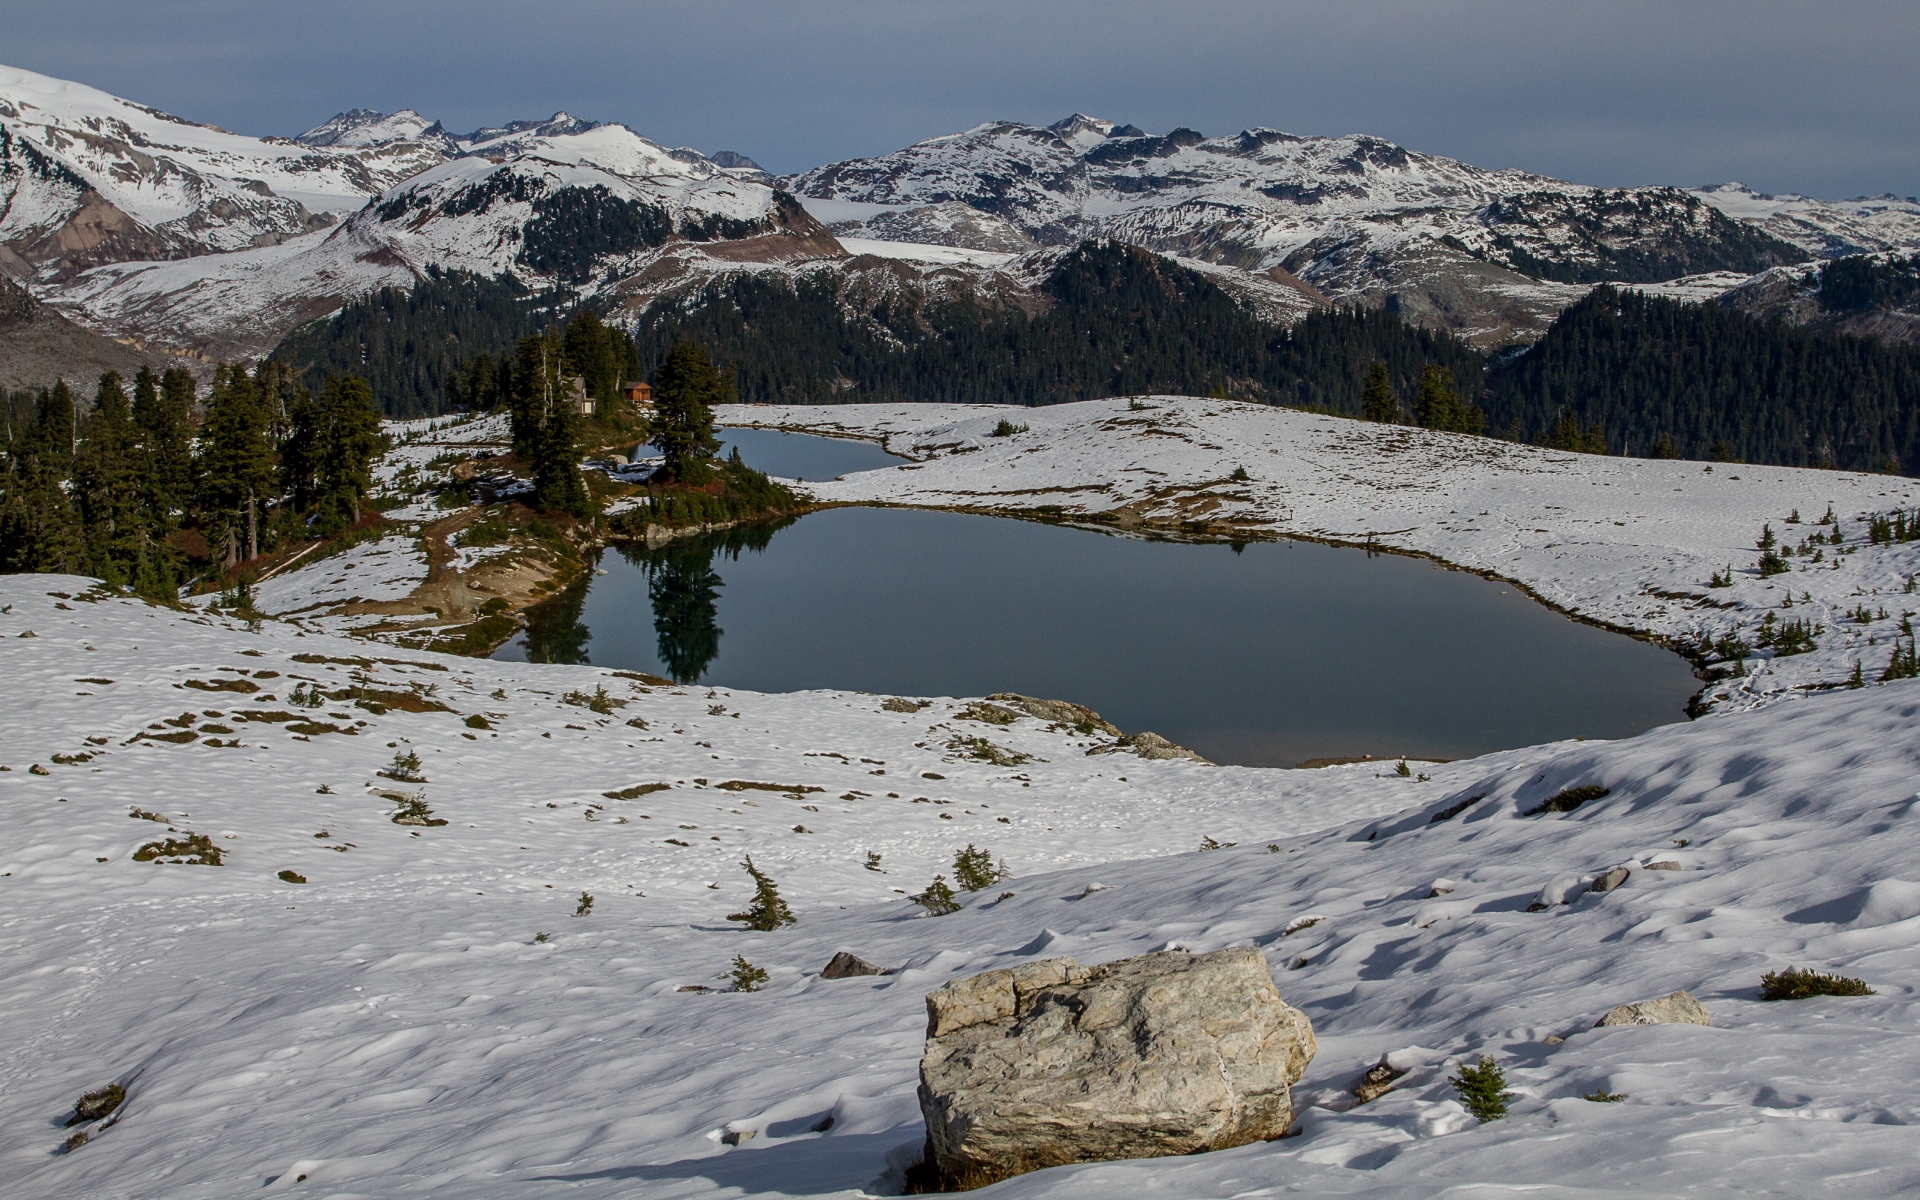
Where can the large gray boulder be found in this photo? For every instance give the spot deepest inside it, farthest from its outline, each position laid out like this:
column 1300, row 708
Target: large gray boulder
column 1678, row 1008
column 1053, row 1062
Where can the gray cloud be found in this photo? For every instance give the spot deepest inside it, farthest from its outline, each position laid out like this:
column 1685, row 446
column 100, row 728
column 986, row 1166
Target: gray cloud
column 1787, row 96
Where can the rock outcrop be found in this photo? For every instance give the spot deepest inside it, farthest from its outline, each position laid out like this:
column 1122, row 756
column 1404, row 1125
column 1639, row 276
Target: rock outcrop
column 846, row 965
column 1052, row 1062
column 1680, row 1008
column 1060, row 712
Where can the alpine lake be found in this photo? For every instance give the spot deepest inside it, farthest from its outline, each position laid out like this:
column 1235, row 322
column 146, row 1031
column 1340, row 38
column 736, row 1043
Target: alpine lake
column 1262, row 654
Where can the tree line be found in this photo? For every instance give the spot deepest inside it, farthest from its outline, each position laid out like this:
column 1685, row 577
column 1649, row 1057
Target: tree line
column 138, row 485
column 1655, row 377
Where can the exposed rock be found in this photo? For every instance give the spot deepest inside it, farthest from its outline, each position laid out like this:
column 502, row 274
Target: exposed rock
column 901, row 704
column 1377, row 1082
column 1553, row 1039
column 1680, row 1008
column 1149, row 745
column 1052, row 1062
column 1663, row 865
column 1061, row 712
column 734, row 1137
column 845, row 966
column 1610, row 880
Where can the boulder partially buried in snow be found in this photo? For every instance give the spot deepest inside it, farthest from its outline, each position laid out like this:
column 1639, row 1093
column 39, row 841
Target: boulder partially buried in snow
column 1680, row 1008
column 1053, row 1062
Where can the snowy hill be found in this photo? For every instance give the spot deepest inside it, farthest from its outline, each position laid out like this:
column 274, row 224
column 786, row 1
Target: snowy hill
column 1826, row 228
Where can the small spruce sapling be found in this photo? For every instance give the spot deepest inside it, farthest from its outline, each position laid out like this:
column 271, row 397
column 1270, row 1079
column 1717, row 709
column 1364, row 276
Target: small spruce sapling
column 873, row 861
column 405, row 767
column 1482, row 1089
column 1603, row 1096
column 1402, row 770
column 586, row 904
column 768, row 911
column 746, row 977
column 973, row 869
column 938, row 898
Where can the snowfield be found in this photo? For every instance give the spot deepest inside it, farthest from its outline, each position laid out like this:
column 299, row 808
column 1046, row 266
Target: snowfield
column 427, row 1015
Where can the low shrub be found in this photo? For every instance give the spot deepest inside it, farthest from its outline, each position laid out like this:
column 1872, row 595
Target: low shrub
column 196, row 850
column 1796, row 983
column 292, row 877
column 938, row 899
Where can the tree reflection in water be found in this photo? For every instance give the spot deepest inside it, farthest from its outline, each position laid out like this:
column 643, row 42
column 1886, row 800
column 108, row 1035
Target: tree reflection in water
column 684, row 591
column 555, row 633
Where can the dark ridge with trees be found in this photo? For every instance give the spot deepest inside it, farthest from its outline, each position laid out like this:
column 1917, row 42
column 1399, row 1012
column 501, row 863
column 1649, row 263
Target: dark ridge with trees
column 409, row 343
column 1861, row 283
column 1653, row 250
column 1659, row 378
column 573, row 227
column 1120, row 322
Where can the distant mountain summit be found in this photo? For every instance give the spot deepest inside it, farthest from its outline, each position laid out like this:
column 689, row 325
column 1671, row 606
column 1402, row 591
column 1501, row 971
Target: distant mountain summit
column 363, row 128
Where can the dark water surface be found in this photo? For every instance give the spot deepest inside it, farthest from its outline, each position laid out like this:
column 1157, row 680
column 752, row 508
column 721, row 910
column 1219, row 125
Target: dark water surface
column 1267, row 657
column 803, row 456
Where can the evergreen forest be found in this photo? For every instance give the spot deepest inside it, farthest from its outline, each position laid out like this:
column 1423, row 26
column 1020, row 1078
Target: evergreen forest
column 1655, row 377
column 144, row 487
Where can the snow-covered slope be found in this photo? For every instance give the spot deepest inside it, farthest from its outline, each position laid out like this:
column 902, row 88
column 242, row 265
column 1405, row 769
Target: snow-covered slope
column 1828, row 228
column 87, row 178
column 1632, row 543
column 425, row 1015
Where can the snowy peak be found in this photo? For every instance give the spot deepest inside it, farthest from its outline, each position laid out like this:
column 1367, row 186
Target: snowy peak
column 364, row 128
column 1826, row 228
column 560, row 124
column 1082, row 131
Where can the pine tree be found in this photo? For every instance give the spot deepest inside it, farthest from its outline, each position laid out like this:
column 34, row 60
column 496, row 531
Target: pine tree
column 353, row 440
column 1482, row 1089
column 685, row 391
column 768, row 911
column 973, row 869
column 164, row 417
column 40, row 531
column 235, row 466
column 1440, row 406
column 590, row 354
column 1377, row 401
column 106, row 483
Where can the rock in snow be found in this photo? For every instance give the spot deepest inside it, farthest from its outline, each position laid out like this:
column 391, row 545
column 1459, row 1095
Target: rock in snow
column 1052, row 1062
column 1680, row 1008
column 845, row 965
column 1609, row 880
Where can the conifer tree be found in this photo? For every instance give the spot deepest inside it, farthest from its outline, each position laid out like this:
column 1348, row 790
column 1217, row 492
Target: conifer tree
column 235, row 466
column 164, row 417
column 684, row 394
column 590, row 355
column 1377, row 401
column 768, row 911
column 106, row 483
column 353, row 440
column 536, row 391
column 39, row 529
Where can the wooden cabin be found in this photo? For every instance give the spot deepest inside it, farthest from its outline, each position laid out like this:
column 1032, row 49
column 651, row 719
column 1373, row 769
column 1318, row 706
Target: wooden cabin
column 639, row 395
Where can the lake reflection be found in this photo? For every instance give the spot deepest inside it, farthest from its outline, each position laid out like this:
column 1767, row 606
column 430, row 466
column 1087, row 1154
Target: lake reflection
column 1267, row 655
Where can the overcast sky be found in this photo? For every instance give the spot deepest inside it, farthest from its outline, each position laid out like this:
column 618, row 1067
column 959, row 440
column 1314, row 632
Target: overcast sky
column 1821, row 98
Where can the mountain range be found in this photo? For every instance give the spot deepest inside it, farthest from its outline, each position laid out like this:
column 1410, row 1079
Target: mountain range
column 158, row 231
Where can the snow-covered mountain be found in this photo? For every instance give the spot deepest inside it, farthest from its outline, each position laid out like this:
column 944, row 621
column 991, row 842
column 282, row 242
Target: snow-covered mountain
column 145, row 226
column 1357, row 217
column 363, row 128
column 1822, row 227
column 593, row 210
column 88, row 178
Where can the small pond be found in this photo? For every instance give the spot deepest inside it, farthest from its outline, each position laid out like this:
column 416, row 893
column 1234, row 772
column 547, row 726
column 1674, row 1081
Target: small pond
column 1269, row 655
